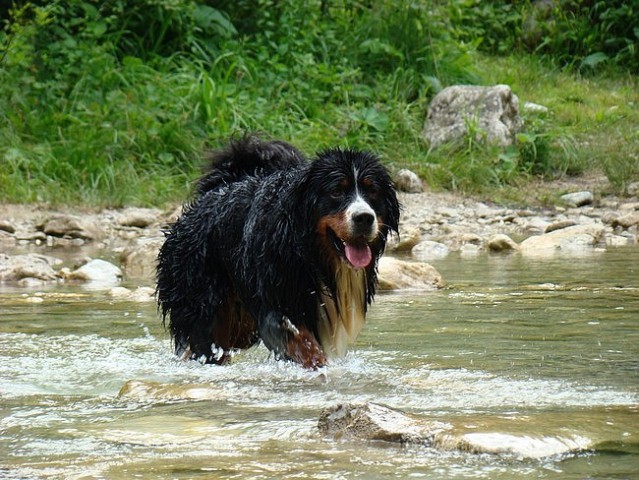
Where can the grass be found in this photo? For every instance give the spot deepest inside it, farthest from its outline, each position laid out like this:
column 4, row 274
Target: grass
column 593, row 120
column 106, row 127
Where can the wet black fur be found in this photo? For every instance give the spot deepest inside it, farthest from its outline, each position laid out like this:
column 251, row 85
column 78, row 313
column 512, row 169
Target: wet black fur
column 250, row 235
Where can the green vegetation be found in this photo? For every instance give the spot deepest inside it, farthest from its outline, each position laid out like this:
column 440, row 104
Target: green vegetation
column 112, row 103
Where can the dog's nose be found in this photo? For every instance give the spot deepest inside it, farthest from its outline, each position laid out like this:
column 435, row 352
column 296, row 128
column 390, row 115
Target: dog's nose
column 363, row 220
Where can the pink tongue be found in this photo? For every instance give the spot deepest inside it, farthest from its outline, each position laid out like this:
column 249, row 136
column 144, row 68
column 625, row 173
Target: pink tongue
column 358, row 256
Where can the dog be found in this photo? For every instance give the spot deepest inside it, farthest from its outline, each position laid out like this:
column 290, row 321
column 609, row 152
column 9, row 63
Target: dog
column 277, row 249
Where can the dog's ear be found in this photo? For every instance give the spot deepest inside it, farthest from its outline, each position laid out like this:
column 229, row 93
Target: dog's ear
column 393, row 207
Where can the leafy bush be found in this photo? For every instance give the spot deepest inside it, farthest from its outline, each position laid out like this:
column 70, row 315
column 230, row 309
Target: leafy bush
column 583, row 34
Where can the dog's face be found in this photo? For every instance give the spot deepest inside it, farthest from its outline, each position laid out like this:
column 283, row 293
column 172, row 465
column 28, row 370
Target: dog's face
column 354, row 206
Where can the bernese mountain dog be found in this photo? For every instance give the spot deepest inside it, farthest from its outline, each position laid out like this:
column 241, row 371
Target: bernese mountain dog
column 277, row 249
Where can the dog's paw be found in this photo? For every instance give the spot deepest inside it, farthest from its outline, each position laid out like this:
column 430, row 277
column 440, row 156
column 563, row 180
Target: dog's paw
column 303, row 348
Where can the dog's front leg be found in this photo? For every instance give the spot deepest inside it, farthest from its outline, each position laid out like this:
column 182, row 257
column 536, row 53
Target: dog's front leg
column 291, row 342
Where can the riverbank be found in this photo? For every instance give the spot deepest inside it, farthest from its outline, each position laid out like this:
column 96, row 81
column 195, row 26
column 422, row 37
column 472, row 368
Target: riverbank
column 433, row 225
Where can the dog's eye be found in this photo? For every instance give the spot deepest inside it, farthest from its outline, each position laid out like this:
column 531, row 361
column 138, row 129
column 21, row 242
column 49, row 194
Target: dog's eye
column 373, row 190
column 337, row 193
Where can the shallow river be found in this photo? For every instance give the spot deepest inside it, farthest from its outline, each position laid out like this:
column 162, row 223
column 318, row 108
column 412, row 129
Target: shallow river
column 535, row 359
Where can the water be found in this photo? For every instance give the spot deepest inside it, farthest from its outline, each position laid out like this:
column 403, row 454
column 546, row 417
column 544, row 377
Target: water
column 536, row 360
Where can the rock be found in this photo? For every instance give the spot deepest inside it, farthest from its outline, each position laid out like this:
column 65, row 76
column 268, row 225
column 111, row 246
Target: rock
column 620, row 241
column 370, row 421
column 558, row 225
column 632, row 189
column 140, row 294
column 62, row 225
column 18, row 267
column 407, row 239
column 7, row 240
column 395, row 274
column 578, row 199
column 519, row 446
column 501, row 243
column 98, row 272
column 152, row 391
column 572, row 240
column 494, row 110
column 408, row 181
column 456, row 241
column 429, row 250
column 139, row 260
column 626, row 221
column 138, row 217
column 469, row 250
column 7, row 226
column 31, row 237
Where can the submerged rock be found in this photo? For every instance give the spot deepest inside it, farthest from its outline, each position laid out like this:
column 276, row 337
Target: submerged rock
column 140, row 294
column 153, row 391
column 369, row 421
column 395, row 274
column 429, row 250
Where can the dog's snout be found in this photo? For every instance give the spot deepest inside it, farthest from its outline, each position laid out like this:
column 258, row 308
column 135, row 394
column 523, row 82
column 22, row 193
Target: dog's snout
column 363, row 220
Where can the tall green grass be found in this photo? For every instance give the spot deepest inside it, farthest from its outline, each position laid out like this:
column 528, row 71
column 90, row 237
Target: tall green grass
column 112, row 103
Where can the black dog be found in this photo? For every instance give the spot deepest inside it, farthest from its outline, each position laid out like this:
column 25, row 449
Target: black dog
column 279, row 249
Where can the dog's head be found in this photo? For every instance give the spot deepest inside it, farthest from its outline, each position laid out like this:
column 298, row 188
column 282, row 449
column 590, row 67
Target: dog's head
column 354, row 205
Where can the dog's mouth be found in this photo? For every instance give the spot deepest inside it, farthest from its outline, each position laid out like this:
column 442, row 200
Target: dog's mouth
column 357, row 252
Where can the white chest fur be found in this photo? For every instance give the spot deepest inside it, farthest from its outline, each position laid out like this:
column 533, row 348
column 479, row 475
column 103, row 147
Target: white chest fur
column 342, row 318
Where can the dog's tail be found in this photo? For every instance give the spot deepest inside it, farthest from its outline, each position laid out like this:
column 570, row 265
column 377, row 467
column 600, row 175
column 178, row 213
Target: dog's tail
column 247, row 156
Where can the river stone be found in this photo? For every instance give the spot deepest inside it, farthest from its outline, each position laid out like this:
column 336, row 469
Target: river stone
column 373, row 422
column 97, row 271
column 143, row 391
column 632, row 189
column 408, row 181
column 395, row 274
column 7, row 240
column 139, row 259
column 578, row 199
column 429, row 250
column 519, row 446
column 501, row 243
column 620, row 240
column 62, row 225
column 369, row 421
column 626, row 221
column 7, row 226
column 140, row 294
column 558, row 225
column 17, row 267
column 408, row 237
column 494, row 110
column 576, row 239
column 139, row 217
